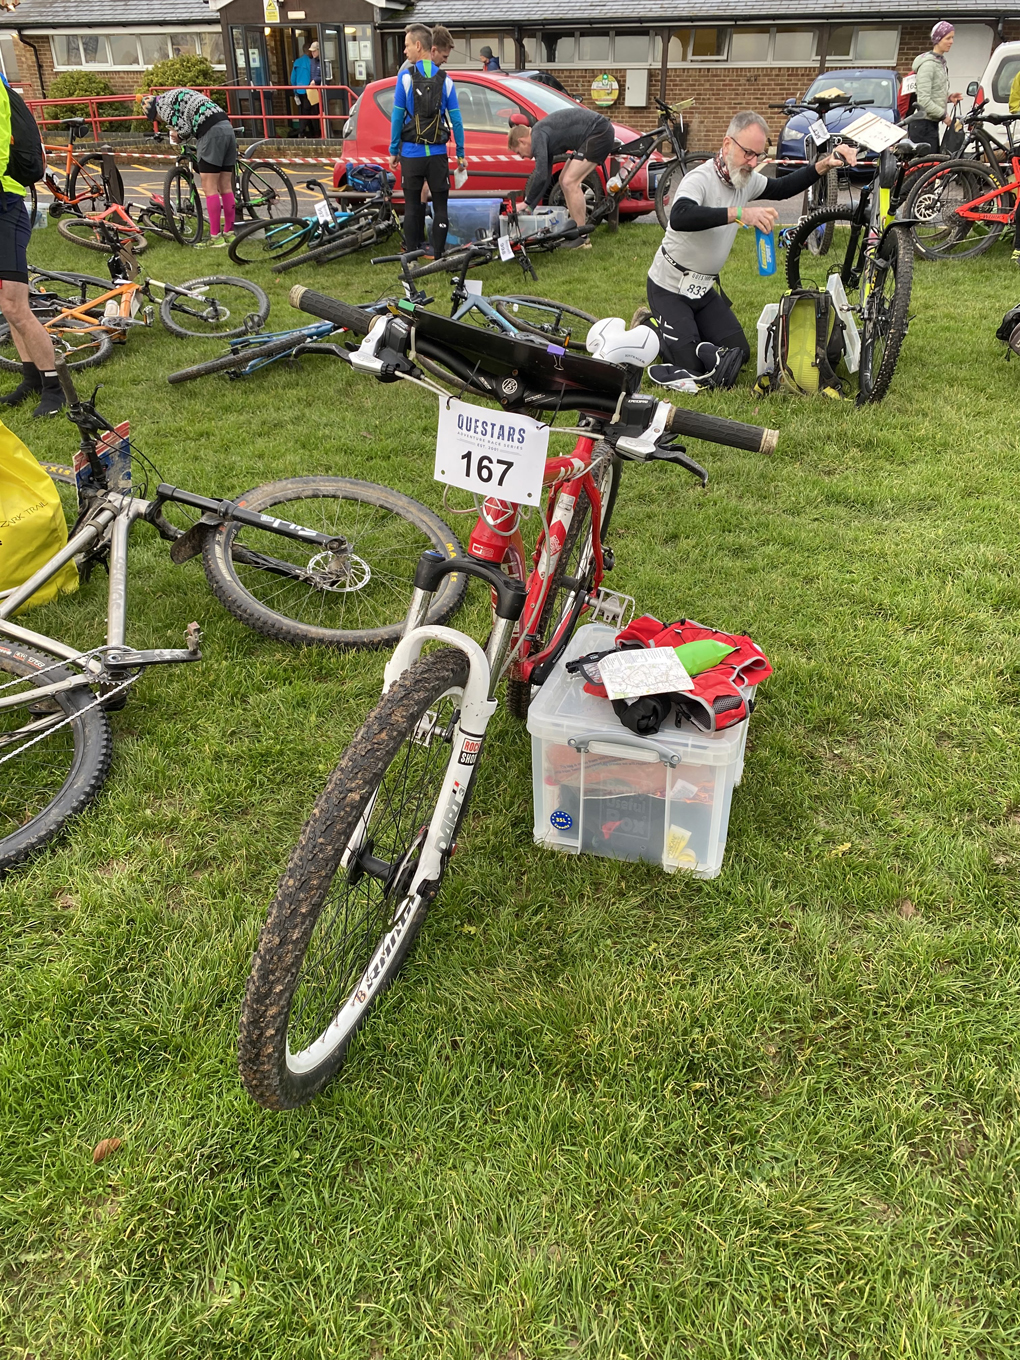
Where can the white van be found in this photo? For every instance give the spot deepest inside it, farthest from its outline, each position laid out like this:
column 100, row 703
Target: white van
column 994, row 85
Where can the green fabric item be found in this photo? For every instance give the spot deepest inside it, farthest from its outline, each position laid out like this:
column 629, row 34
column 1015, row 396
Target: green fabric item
column 702, row 655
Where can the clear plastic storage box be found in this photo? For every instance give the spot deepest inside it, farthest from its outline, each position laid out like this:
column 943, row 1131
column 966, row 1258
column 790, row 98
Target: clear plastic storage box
column 472, row 219
column 601, row 789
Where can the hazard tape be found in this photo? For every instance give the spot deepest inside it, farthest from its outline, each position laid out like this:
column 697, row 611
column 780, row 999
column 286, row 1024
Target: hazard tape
column 270, row 160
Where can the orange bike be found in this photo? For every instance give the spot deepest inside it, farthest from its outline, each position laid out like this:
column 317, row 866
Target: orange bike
column 91, row 183
column 113, row 227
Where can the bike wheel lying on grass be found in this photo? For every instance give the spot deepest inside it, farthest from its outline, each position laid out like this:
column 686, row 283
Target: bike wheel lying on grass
column 356, row 596
column 343, row 920
column 265, row 242
column 88, row 178
column 54, row 752
column 227, row 307
column 83, row 232
column 79, row 344
column 343, row 243
column 553, row 321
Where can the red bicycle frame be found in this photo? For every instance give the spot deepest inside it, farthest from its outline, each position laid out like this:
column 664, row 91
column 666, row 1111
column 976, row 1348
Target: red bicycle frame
column 971, row 212
column 496, row 538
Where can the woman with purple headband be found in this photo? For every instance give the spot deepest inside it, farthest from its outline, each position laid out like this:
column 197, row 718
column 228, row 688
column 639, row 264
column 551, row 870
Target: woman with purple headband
column 933, row 97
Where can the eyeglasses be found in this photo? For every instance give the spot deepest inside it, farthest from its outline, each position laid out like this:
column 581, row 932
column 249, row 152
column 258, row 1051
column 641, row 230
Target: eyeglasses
column 755, row 156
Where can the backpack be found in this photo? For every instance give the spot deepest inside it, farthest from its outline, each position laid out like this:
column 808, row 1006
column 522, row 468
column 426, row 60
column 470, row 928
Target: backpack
column 426, row 124
column 804, row 345
column 26, row 163
column 368, row 178
column 906, row 100
column 1010, row 331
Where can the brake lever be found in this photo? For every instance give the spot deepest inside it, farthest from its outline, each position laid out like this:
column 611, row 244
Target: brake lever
column 675, row 453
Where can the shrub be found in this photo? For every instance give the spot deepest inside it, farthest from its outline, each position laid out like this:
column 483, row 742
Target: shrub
column 197, row 72
column 80, row 83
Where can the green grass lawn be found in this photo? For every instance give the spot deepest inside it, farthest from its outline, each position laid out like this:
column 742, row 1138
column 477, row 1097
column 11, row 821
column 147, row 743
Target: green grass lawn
column 605, row 1112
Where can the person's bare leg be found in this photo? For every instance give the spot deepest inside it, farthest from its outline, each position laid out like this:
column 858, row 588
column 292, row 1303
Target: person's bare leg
column 35, row 348
column 572, row 177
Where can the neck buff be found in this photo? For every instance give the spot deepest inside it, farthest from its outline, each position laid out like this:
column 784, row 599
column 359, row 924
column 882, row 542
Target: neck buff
column 722, row 169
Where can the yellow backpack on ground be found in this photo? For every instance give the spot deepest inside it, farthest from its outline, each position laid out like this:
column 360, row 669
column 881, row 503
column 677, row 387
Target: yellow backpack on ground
column 32, row 525
column 804, row 345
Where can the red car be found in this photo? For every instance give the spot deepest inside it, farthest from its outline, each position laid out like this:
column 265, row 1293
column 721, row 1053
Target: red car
column 488, row 102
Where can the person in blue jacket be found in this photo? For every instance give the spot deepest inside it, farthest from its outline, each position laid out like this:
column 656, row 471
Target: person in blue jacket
column 304, row 74
column 425, row 109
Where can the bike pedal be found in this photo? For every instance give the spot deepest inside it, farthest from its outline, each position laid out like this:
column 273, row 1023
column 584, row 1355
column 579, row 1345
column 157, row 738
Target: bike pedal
column 148, row 315
column 609, row 606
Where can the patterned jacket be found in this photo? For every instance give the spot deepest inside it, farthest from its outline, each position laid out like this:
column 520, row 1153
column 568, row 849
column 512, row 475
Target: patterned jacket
column 185, row 110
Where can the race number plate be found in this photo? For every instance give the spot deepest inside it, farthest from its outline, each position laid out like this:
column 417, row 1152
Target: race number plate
column 324, row 212
column 491, row 453
column 818, row 132
column 506, row 250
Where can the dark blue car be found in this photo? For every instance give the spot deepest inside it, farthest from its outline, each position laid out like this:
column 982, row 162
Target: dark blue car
column 881, row 87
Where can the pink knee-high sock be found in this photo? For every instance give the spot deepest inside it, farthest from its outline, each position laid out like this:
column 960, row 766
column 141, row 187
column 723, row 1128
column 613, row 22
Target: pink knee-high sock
column 212, row 207
column 228, row 212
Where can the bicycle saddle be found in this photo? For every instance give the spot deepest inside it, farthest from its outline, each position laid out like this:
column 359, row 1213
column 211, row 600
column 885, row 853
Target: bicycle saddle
column 611, row 340
column 74, row 125
column 906, row 150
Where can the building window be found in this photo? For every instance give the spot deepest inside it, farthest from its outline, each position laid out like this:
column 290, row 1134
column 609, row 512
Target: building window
column 879, row 45
column 794, row 46
column 709, row 44
column 560, row 48
column 750, row 45
column 8, row 58
column 121, row 50
column 631, row 48
column 593, row 48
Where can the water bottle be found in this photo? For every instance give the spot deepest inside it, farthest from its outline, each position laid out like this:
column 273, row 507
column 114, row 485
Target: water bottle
column 766, row 245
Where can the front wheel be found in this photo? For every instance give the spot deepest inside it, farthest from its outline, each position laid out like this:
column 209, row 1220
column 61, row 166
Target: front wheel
column 97, row 235
column 354, row 596
column 264, row 242
column 804, row 247
column 182, row 206
column 666, row 185
column 224, row 307
column 936, row 201
column 556, row 321
column 78, row 344
column 345, row 916
column 885, row 302
column 54, row 752
column 573, row 576
column 266, row 191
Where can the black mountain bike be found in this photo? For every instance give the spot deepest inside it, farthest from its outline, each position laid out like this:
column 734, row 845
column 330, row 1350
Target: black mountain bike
column 872, row 252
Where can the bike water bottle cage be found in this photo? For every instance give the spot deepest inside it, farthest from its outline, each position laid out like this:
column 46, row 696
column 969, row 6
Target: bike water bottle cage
column 611, row 340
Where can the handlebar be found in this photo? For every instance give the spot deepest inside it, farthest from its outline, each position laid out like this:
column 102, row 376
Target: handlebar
column 722, row 430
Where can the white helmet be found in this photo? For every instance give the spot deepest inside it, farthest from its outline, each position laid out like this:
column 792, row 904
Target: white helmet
column 610, row 340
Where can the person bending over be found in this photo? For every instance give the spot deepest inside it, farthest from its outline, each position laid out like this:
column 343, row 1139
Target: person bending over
column 701, row 341
column 590, row 135
column 187, row 113
column 425, row 108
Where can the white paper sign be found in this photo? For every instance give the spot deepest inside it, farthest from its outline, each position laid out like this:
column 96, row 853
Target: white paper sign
column 873, row 132
column 643, row 670
column 506, row 249
column 818, row 132
column 490, row 452
column 360, row 68
column 323, row 211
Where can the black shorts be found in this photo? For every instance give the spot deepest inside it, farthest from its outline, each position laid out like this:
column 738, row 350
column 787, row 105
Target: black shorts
column 599, row 145
column 216, row 148
column 15, row 231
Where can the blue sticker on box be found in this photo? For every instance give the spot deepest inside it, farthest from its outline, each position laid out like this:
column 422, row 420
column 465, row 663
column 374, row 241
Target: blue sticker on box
column 561, row 820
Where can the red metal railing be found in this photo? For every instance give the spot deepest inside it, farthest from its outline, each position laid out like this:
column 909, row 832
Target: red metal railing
column 247, row 103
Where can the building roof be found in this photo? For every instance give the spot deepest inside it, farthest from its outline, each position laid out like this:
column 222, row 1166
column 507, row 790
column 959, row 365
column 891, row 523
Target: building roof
column 46, row 14
column 541, row 13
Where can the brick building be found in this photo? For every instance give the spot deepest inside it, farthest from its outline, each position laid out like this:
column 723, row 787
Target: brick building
column 117, row 39
column 728, row 54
